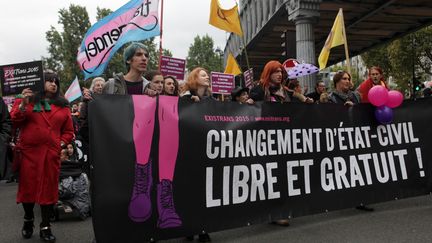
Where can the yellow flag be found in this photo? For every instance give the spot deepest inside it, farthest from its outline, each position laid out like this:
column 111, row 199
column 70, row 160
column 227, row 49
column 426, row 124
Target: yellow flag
column 335, row 38
column 232, row 67
column 225, row 19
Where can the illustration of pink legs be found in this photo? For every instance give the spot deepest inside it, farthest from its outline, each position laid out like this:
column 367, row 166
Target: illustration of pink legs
column 143, row 126
column 168, row 149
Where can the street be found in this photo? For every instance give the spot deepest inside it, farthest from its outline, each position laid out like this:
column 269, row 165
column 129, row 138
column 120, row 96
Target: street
column 407, row 220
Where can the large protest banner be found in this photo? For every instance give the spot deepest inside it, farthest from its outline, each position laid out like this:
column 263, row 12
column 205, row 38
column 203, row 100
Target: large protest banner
column 236, row 165
column 16, row 77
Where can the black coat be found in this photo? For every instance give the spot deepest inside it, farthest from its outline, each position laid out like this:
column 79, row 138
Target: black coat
column 5, row 131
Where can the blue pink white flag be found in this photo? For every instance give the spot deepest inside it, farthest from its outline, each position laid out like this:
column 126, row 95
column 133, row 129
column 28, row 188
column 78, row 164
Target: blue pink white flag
column 74, row 91
column 136, row 20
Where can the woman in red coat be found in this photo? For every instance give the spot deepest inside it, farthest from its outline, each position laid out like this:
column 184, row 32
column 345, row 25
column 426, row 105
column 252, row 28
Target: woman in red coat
column 45, row 124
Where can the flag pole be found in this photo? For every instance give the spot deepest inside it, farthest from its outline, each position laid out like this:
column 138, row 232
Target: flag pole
column 160, row 38
column 346, row 44
column 243, row 38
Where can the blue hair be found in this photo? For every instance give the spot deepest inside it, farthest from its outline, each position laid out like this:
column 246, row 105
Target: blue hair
column 129, row 52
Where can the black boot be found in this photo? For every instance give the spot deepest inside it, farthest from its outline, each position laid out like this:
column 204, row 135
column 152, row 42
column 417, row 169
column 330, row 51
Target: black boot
column 204, row 237
column 46, row 235
column 27, row 229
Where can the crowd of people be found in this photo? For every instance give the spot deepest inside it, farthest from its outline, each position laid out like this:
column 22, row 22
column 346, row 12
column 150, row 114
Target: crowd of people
column 44, row 125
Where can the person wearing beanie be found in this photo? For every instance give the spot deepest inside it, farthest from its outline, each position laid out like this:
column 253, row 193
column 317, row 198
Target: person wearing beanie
column 241, row 95
column 45, row 124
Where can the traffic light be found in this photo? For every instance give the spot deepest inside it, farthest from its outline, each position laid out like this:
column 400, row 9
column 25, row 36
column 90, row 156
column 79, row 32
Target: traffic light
column 417, row 85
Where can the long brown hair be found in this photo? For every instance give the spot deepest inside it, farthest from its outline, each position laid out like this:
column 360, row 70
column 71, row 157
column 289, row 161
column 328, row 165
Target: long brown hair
column 270, row 68
column 192, row 80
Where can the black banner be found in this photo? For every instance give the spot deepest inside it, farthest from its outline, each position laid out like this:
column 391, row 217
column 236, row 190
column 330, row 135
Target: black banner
column 238, row 164
column 16, row 77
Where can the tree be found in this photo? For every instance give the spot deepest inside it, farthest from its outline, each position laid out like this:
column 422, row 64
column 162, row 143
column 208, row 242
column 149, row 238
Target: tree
column 202, row 54
column 404, row 58
column 63, row 46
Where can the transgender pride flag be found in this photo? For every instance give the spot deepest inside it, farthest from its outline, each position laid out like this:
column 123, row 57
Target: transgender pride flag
column 74, row 91
column 136, row 20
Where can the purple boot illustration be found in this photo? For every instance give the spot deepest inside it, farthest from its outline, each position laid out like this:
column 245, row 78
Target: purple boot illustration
column 168, row 218
column 140, row 204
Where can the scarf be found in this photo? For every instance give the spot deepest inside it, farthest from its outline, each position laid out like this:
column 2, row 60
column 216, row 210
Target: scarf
column 349, row 96
column 45, row 103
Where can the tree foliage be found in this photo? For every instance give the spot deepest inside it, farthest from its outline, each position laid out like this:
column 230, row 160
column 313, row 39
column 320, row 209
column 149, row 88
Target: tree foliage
column 63, row 46
column 202, row 54
column 404, row 58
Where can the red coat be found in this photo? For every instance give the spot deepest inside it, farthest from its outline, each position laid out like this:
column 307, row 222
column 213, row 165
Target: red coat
column 39, row 141
column 364, row 88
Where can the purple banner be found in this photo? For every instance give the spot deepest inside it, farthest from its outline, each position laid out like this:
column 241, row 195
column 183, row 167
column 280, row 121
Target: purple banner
column 173, row 67
column 248, row 77
column 222, row 83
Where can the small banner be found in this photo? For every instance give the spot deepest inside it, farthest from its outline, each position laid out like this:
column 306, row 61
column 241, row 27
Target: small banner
column 211, row 166
column 16, row 77
column 221, row 83
column 74, row 91
column 173, row 67
column 248, row 77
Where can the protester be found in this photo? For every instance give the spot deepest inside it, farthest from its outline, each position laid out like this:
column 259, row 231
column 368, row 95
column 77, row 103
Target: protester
column 270, row 86
column 376, row 77
column 241, row 95
column 324, row 98
column 197, row 86
column 156, row 81
column 319, row 89
column 96, row 88
column 342, row 93
column 295, row 92
column 45, row 124
column 135, row 57
column 64, row 155
column 5, row 132
column 71, row 152
column 170, row 86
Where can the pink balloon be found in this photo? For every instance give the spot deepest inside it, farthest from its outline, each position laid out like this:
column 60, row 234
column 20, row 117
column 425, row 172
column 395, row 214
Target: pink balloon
column 378, row 95
column 395, row 99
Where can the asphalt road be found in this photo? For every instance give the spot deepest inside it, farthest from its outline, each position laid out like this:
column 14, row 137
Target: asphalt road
column 407, row 220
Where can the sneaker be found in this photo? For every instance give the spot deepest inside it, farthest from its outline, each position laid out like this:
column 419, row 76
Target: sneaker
column 168, row 218
column 140, row 203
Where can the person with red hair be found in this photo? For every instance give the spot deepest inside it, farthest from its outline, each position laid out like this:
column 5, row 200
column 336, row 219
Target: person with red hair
column 376, row 77
column 197, row 86
column 270, row 87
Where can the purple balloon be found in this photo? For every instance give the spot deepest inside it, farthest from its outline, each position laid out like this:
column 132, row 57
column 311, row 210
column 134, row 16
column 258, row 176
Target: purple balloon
column 395, row 99
column 378, row 95
column 384, row 114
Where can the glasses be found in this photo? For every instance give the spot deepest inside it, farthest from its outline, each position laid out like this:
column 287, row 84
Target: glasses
column 345, row 78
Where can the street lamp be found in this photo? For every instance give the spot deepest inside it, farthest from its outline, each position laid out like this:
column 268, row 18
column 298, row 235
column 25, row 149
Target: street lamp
column 220, row 53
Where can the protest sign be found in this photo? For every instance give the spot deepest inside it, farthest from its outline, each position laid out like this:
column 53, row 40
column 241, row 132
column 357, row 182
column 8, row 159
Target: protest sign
column 173, row 67
column 221, row 83
column 16, row 77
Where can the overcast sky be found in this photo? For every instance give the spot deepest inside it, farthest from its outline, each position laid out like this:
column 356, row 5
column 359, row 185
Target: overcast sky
column 23, row 24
